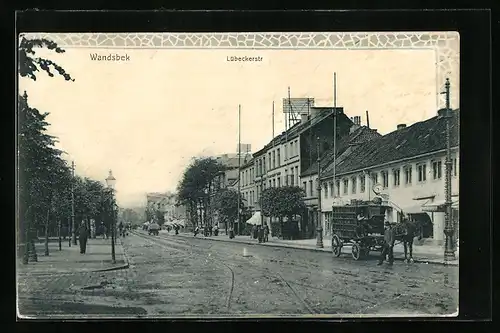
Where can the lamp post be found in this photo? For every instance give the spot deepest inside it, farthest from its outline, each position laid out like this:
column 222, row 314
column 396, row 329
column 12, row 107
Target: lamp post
column 319, row 229
column 73, row 229
column 449, row 250
column 110, row 181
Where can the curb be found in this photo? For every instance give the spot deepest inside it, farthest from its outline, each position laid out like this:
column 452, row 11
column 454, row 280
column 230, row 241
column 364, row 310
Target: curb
column 421, row 261
column 125, row 259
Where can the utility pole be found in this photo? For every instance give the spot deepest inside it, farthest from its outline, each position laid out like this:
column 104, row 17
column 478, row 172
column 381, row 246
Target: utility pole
column 449, row 251
column 73, row 229
column 239, row 168
column 319, row 229
column 59, row 234
column 334, row 132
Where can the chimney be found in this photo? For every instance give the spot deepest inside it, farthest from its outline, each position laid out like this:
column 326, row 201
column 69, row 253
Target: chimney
column 442, row 113
column 401, row 126
column 367, row 120
column 357, row 120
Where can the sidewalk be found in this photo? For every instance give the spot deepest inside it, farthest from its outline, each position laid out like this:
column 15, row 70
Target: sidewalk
column 69, row 260
column 421, row 253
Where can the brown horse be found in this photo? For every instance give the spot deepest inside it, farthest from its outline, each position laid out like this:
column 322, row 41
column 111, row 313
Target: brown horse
column 405, row 232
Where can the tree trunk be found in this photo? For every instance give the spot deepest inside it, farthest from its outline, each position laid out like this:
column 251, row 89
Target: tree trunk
column 281, row 227
column 32, row 249
column 27, row 243
column 47, row 231
column 88, row 227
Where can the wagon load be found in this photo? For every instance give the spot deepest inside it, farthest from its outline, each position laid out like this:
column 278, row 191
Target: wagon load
column 360, row 225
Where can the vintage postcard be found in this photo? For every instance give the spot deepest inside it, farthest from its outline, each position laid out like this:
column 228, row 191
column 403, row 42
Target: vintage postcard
column 215, row 175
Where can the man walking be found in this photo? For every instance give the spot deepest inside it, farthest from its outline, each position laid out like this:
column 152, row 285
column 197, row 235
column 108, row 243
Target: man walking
column 83, row 235
column 388, row 247
column 266, row 233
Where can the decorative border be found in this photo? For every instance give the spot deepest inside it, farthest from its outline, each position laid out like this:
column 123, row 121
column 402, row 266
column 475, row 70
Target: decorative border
column 445, row 44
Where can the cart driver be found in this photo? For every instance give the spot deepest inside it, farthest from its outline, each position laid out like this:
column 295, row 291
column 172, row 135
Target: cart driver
column 363, row 223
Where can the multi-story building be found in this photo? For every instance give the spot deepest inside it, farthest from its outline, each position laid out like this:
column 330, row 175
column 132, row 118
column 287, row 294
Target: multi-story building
column 247, row 187
column 316, row 137
column 290, row 158
column 165, row 203
column 407, row 166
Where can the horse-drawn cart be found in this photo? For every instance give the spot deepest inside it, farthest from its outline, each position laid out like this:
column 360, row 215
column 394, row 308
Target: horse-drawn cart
column 360, row 224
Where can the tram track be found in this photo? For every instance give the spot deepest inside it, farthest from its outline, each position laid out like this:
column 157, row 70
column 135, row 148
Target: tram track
column 158, row 240
column 241, row 268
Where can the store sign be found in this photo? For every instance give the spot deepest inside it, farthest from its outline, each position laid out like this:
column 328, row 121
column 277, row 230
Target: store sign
column 433, row 208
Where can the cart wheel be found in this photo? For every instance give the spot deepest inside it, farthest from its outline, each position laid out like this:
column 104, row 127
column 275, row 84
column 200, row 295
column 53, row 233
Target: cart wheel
column 336, row 245
column 355, row 251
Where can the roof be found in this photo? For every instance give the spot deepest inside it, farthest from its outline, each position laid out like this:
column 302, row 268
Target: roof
column 299, row 127
column 420, row 138
column 359, row 135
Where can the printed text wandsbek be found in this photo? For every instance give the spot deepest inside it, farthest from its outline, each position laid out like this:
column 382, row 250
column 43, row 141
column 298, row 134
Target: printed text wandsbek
column 109, row 57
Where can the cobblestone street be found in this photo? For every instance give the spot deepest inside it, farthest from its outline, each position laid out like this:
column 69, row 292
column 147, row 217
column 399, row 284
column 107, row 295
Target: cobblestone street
column 180, row 276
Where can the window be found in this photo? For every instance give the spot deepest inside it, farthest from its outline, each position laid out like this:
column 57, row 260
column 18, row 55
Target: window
column 354, row 184
column 274, row 182
column 279, row 181
column 395, row 174
column 296, row 147
column 311, row 188
column 304, row 184
column 453, row 166
column 332, row 191
column 375, row 178
column 292, row 178
column 346, row 186
column 436, row 169
column 274, row 159
column 286, row 177
column 408, row 175
column 362, row 181
column 337, row 185
column 270, row 183
column 264, row 161
column 279, row 157
column 325, row 188
column 385, row 179
column 291, row 149
column 422, row 172
column 297, row 174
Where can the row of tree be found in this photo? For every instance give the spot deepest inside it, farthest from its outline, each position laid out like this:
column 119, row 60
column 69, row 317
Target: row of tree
column 203, row 197
column 48, row 190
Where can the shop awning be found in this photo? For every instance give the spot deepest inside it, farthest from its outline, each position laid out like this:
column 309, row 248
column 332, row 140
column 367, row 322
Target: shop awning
column 415, row 209
column 255, row 219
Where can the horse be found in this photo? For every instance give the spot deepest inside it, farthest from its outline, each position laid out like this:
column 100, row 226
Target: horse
column 405, row 232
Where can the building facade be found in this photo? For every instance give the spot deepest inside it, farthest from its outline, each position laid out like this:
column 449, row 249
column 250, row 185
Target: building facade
column 406, row 168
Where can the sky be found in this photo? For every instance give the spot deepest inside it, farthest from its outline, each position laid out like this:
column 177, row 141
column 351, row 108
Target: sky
column 145, row 118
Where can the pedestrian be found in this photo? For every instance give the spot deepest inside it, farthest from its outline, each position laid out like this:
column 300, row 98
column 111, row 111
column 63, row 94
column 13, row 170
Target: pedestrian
column 104, row 231
column 266, row 233
column 83, row 235
column 388, row 247
column 260, row 233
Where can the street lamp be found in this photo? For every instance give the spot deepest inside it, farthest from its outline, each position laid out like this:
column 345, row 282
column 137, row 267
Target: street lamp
column 449, row 250
column 319, row 229
column 111, row 181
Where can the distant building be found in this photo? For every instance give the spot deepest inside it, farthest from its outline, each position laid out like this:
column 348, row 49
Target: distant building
column 166, row 203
